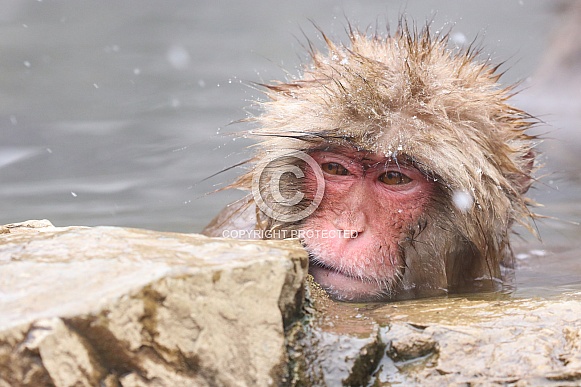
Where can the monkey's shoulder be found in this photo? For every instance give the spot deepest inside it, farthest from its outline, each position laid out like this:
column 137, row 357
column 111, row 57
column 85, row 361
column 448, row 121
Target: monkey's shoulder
column 236, row 220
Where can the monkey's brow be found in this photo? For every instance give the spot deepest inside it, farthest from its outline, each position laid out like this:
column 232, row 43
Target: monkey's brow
column 390, row 160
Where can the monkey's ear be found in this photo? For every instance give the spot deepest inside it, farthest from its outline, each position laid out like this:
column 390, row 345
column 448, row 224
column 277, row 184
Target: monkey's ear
column 525, row 180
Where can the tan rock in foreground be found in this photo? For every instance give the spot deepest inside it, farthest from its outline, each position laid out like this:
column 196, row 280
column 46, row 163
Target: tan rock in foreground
column 113, row 306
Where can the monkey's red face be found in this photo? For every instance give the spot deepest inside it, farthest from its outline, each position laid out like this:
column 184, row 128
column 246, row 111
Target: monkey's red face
column 369, row 206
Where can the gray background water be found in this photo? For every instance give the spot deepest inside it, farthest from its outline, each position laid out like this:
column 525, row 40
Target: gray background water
column 112, row 113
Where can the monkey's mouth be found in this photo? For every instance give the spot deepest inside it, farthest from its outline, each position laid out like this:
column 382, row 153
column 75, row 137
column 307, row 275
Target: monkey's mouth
column 345, row 287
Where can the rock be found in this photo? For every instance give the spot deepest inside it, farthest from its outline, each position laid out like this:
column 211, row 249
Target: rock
column 110, row 306
column 449, row 341
column 337, row 347
column 125, row 307
column 408, row 342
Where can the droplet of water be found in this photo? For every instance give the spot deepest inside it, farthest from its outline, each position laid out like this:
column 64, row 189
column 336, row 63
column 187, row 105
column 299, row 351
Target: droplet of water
column 458, row 38
column 462, row 200
column 178, row 57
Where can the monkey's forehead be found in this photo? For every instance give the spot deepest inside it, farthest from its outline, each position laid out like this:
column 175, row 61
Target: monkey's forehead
column 381, row 83
column 361, row 154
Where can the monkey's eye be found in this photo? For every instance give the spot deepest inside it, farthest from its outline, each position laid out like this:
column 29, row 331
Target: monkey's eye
column 335, row 169
column 394, row 178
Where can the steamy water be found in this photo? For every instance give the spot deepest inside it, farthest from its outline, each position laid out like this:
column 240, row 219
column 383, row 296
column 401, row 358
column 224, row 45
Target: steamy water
column 114, row 113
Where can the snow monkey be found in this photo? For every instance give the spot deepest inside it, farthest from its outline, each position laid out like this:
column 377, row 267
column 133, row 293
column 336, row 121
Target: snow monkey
column 397, row 161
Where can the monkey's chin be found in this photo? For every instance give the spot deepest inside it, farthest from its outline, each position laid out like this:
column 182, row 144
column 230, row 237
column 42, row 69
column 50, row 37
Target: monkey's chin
column 342, row 287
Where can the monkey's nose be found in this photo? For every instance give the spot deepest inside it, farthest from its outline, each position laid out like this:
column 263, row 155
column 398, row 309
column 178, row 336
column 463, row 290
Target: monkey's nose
column 351, row 223
column 353, row 234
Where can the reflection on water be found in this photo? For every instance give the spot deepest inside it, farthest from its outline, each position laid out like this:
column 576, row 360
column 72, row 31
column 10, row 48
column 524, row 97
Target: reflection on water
column 548, row 273
column 110, row 112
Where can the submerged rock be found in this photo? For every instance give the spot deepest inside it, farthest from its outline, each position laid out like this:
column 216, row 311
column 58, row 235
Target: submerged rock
column 488, row 339
column 531, row 341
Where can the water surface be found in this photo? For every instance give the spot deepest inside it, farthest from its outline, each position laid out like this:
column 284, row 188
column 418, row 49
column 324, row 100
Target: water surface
column 114, row 113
